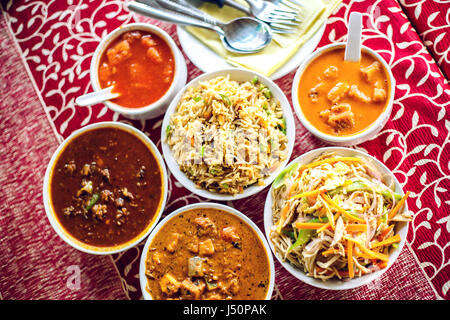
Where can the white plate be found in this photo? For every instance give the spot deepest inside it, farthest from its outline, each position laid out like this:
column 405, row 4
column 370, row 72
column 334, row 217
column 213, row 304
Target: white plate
column 207, row 60
column 401, row 227
column 238, row 75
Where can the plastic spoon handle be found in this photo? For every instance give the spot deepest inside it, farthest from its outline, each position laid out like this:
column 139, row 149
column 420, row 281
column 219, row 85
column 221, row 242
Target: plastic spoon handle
column 96, row 97
column 353, row 47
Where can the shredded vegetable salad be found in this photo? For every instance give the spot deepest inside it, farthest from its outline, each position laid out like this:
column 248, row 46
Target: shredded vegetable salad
column 335, row 217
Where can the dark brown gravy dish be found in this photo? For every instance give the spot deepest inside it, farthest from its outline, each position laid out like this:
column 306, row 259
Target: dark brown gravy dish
column 106, row 187
column 207, row 254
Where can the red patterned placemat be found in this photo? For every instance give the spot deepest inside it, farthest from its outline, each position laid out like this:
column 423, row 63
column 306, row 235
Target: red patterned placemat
column 431, row 19
column 34, row 262
column 56, row 42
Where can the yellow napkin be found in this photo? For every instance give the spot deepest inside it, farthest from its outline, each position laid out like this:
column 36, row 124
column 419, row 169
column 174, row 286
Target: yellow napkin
column 313, row 14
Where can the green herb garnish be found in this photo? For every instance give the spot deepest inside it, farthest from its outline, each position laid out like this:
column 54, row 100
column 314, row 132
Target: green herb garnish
column 226, row 99
column 92, row 201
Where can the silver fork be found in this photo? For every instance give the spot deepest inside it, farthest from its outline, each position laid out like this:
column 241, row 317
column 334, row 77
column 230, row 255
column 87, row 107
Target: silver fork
column 281, row 16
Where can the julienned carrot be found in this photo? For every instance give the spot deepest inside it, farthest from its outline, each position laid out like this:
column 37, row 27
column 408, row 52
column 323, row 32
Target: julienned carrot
column 370, row 253
column 351, row 272
column 398, row 206
column 328, row 225
column 339, row 209
column 283, row 215
column 325, row 226
column 294, row 185
column 355, row 254
column 330, row 160
column 330, row 251
column 355, row 227
column 309, row 225
column 385, row 232
column 309, row 193
column 328, row 211
column 388, row 241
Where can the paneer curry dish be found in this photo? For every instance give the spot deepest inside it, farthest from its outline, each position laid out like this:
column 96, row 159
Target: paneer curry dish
column 207, row 254
column 343, row 98
column 106, row 187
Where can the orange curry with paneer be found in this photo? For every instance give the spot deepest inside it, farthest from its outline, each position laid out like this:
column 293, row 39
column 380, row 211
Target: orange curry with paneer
column 342, row 98
column 140, row 66
column 207, row 254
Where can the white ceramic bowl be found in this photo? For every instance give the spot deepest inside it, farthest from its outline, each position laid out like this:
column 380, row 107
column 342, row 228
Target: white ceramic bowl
column 357, row 138
column 205, row 205
column 401, row 228
column 67, row 237
column 238, row 75
column 179, row 80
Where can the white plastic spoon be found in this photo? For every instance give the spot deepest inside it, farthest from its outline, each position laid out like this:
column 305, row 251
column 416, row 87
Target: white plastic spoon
column 91, row 98
column 353, row 47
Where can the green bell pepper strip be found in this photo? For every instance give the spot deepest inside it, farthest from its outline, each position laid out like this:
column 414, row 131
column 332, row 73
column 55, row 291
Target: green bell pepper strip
column 168, row 131
column 92, row 201
column 361, row 186
column 225, row 99
column 288, row 171
column 305, row 235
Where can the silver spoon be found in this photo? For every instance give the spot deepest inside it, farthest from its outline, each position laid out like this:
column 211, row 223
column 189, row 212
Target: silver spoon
column 241, row 35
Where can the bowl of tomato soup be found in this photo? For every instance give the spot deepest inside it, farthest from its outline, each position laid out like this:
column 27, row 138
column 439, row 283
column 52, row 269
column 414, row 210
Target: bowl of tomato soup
column 105, row 188
column 143, row 65
column 342, row 102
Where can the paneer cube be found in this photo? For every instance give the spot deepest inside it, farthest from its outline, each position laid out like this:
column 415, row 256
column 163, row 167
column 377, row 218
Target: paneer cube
column 192, row 290
column 229, row 234
column 207, row 226
column 331, row 72
column 206, row 247
column 132, row 36
column 357, row 94
column 195, row 267
column 169, row 284
column 369, row 71
column 203, row 222
column 157, row 257
column 338, row 92
column 339, row 117
column 120, row 52
column 147, row 41
column 154, row 54
column 192, row 246
column 379, row 92
column 173, row 241
column 314, row 92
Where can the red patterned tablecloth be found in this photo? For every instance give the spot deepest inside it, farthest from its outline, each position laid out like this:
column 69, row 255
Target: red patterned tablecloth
column 46, row 48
